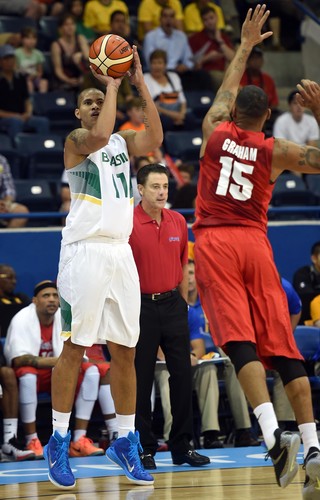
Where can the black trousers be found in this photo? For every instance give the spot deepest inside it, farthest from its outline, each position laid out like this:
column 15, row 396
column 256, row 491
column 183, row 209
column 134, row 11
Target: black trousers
column 164, row 323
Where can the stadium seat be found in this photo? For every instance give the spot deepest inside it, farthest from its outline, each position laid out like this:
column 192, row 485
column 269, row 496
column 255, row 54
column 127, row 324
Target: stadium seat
column 199, row 101
column 313, row 183
column 14, row 24
column 59, row 107
column 13, row 157
column 35, row 194
column 184, row 145
column 291, row 190
column 43, row 154
column 47, row 32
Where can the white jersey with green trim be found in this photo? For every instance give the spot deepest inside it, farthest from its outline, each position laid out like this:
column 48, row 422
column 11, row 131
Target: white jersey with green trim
column 101, row 195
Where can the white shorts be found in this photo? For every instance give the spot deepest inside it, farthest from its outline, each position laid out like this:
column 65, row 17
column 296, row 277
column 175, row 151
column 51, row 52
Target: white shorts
column 99, row 290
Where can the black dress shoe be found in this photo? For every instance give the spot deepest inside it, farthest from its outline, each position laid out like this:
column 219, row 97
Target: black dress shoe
column 211, row 440
column 148, row 461
column 245, row 438
column 190, row 457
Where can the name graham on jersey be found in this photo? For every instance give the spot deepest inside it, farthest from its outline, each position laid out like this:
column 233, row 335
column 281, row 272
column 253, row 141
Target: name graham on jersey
column 242, row 152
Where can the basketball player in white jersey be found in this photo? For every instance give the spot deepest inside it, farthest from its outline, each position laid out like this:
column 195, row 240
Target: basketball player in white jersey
column 98, row 282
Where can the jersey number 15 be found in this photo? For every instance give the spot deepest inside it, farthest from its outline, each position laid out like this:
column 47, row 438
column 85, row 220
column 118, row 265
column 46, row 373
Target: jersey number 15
column 232, row 170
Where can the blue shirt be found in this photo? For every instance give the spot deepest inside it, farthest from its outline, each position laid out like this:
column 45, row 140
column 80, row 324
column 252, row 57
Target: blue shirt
column 294, row 302
column 175, row 45
column 198, row 326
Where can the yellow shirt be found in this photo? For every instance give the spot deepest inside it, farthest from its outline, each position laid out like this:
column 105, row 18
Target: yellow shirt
column 192, row 19
column 97, row 16
column 150, row 10
column 315, row 309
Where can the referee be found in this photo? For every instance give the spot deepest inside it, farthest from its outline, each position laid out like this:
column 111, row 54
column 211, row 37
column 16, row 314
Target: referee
column 159, row 242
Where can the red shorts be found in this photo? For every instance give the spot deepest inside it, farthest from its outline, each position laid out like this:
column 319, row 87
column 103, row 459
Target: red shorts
column 241, row 292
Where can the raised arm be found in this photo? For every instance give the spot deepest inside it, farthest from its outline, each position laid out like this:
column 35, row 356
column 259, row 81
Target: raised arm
column 250, row 36
column 290, row 156
column 140, row 143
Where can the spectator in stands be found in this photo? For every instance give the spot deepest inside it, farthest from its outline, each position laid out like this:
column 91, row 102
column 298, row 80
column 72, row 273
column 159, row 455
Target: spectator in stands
column 52, row 7
column 161, row 236
column 137, row 163
column 13, row 39
column 30, row 61
column 173, row 41
column 315, row 311
column 186, row 172
column 10, row 301
column 15, row 104
column 24, row 8
column 254, row 75
column 119, row 26
column 212, row 50
column 205, row 380
column 306, row 281
column 76, row 8
column 296, row 125
column 8, row 205
column 192, row 16
column 97, row 14
column 11, row 448
column 69, row 55
column 149, row 13
column 281, row 403
column 166, row 90
column 32, row 347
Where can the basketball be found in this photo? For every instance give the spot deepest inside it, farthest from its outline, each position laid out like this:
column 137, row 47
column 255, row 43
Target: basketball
column 111, row 55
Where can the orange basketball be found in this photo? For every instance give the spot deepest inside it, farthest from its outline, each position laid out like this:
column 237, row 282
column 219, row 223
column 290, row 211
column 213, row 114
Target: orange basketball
column 111, row 55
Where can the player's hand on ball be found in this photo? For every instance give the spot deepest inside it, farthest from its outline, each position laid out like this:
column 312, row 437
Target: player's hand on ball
column 135, row 72
column 106, row 80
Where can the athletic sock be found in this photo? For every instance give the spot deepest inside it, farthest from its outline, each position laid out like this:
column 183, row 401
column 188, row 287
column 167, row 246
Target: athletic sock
column 268, row 422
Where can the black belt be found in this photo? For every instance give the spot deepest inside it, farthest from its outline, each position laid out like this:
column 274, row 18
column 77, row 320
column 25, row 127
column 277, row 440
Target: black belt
column 159, row 296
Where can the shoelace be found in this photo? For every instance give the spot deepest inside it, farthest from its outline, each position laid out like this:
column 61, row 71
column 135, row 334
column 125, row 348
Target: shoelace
column 135, row 458
column 61, row 454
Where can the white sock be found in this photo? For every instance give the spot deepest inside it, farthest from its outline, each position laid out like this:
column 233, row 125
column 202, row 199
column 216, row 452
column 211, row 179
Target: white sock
column 78, row 433
column 268, row 422
column 125, row 424
column 60, row 422
column 111, row 425
column 10, row 427
column 105, row 400
column 30, row 437
column 309, row 437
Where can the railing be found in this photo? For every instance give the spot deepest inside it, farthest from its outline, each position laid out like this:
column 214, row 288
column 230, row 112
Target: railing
column 308, row 12
column 314, row 209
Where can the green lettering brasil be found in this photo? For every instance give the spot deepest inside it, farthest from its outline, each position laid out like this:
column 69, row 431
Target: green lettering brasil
column 115, row 160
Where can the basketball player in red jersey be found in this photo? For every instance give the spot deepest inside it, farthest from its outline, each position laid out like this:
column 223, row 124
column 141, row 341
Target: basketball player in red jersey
column 238, row 282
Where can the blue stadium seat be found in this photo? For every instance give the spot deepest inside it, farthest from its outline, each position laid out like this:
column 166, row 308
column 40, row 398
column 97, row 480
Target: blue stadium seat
column 47, row 32
column 59, row 107
column 14, row 24
column 184, row 145
column 291, row 190
column 43, row 154
column 199, row 101
column 35, row 194
column 11, row 154
column 313, row 183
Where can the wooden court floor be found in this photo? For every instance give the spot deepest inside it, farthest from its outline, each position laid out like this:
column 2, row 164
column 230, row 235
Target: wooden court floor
column 225, row 484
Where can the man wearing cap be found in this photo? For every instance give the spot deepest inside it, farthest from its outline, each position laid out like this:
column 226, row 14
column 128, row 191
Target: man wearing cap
column 32, row 348
column 15, row 103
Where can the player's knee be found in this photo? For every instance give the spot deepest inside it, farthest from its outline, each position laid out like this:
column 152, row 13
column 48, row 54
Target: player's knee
column 241, row 353
column 90, row 384
column 28, row 388
column 289, row 369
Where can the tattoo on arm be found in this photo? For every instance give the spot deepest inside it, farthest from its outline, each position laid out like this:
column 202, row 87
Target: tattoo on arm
column 145, row 117
column 26, row 360
column 310, row 157
column 222, row 106
column 78, row 136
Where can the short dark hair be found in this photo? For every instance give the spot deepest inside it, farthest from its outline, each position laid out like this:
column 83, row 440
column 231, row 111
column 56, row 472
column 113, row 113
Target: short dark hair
column 252, row 101
column 206, row 10
column 315, row 249
column 158, row 54
column 116, row 13
column 292, row 96
column 152, row 168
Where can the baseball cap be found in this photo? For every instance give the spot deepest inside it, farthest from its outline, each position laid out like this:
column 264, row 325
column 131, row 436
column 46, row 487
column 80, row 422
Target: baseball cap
column 6, row 51
column 42, row 285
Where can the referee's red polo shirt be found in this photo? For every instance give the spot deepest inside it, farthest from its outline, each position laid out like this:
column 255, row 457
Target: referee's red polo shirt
column 159, row 251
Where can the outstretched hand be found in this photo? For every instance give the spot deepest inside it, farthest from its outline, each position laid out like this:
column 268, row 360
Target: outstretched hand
column 253, row 24
column 309, row 94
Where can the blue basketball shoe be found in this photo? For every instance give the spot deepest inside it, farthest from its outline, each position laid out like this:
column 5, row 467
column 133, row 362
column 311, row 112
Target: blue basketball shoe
column 125, row 452
column 56, row 452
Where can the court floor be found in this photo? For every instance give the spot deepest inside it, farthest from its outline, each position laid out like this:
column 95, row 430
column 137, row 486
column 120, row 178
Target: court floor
column 232, row 474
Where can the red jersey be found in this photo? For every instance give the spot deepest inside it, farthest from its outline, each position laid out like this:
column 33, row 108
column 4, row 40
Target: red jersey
column 234, row 183
column 201, row 43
